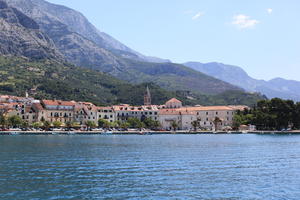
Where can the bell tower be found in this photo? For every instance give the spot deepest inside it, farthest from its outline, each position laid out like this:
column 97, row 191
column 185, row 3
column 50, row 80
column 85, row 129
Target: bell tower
column 147, row 97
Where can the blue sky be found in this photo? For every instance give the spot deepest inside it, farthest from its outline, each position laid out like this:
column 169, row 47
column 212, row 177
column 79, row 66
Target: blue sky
column 261, row 36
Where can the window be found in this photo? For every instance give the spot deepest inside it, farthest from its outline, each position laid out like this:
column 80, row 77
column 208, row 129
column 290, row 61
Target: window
column 216, row 113
column 206, row 113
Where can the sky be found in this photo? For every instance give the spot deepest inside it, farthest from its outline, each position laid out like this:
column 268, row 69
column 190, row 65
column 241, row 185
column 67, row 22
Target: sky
column 261, row 36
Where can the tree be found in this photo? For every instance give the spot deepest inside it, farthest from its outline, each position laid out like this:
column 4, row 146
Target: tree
column 90, row 124
column 151, row 124
column 102, row 122
column 135, row 123
column 25, row 124
column 37, row 125
column 15, row 121
column 3, row 120
column 195, row 124
column 57, row 124
column 46, row 125
column 237, row 121
column 124, row 125
column 217, row 120
column 174, row 125
column 69, row 125
column 274, row 114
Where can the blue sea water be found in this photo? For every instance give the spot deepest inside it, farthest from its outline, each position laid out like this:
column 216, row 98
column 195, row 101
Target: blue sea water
column 150, row 167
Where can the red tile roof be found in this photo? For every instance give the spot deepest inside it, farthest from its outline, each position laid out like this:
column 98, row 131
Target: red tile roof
column 58, row 103
column 175, row 112
column 173, row 100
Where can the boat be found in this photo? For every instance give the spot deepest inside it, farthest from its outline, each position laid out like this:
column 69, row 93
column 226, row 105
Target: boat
column 107, row 133
column 14, row 133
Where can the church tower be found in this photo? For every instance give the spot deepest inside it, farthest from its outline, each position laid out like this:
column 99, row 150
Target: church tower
column 147, row 97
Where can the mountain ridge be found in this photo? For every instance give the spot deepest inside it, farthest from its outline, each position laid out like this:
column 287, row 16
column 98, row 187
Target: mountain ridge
column 83, row 52
column 21, row 36
column 277, row 87
column 77, row 23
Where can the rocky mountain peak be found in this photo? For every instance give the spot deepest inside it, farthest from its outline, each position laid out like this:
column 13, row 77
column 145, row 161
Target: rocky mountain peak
column 20, row 36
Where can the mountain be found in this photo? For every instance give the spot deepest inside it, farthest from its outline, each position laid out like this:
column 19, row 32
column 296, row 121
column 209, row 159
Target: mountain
column 83, row 45
column 93, row 83
column 44, row 13
column 21, row 36
column 55, row 80
column 278, row 87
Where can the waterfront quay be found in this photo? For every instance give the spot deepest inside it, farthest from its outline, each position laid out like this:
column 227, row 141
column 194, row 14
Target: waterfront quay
column 141, row 132
column 27, row 112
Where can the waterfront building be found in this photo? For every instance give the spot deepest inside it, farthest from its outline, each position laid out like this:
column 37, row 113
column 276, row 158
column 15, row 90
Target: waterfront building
column 106, row 113
column 182, row 118
column 56, row 110
column 84, row 112
column 125, row 111
column 172, row 112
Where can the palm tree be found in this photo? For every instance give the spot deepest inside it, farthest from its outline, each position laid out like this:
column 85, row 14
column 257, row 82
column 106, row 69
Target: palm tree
column 47, row 125
column 174, row 125
column 195, row 124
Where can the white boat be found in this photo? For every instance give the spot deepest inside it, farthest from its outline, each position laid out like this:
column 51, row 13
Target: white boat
column 107, row 133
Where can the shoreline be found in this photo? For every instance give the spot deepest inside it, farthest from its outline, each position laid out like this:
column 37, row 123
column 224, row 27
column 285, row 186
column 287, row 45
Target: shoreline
column 143, row 132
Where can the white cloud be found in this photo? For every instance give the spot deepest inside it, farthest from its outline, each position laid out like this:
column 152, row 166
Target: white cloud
column 198, row 15
column 270, row 10
column 244, row 21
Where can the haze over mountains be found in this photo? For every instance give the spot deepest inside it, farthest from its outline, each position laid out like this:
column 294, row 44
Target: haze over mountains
column 40, row 31
column 277, row 87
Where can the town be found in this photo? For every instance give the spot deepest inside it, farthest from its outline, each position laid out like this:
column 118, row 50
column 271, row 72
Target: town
column 29, row 112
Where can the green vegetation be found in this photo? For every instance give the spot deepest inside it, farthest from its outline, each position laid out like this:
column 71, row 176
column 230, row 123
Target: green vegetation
column 130, row 123
column 274, row 114
column 53, row 80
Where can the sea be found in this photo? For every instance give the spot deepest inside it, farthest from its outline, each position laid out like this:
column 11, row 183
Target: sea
column 225, row 167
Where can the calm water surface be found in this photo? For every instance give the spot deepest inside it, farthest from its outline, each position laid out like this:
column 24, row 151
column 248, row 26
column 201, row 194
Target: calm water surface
column 150, row 167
